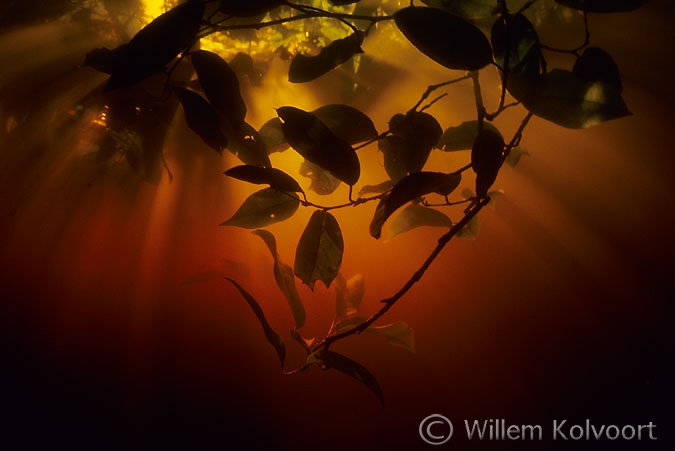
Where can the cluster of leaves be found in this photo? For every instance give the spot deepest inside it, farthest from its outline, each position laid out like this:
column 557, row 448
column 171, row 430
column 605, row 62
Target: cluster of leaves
column 330, row 137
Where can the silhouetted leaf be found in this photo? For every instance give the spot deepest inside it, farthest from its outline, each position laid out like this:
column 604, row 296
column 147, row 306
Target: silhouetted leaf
column 376, row 189
column 202, row 118
column 283, row 275
column 105, row 60
column 407, row 149
column 597, row 65
column 276, row 178
column 333, row 360
column 305, row 68
column 246, row 145
column 568, row 100
column 394, row 151
column 157, row 44
column 220, row 85
column 273, row 136
column 410, row 188
column 348, row 295
column 513, row 158
column 486, row 159
column 263, row 208
column 466, row 9
column 313, row 140
column 319, row 252
column 603, row 6
column 248, row 8
column 444, row 37
column 322, row 182
column 514, row 38
column 413, row 216
column 398, row 333
column 348, row 123
column 343, row 2
column 462, row 136
column 272, row 337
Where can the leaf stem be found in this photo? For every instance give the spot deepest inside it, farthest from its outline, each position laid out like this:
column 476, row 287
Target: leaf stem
column 432, row 88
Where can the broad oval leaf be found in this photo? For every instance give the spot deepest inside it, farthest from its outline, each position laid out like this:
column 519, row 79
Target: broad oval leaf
column 220, row 85
column 248, row 8
column 321, row 181
column 603, row 6
column 410, row 188
column 319, row 252
column 462, row 136
column 597, row 65
column 516, row 45
column 272, row 136
column 305, row 68
column 202, row 118
column 347, row 122
column 285, row 279
column 105, row 60
column 486, row 159
column 348, row 295
column 263, row 208
column 245, row 143
column 157, row 44
column 272, row 337
column 568, row 100
column 333, row 360
column 444, row 37
column 466, row 9
column 413, row 137
column 413, row 216
column 276, row 178
column 312, row 139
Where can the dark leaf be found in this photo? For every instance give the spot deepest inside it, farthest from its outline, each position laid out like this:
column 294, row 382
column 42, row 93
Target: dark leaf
column 312, row 139
column 413, row 216
column 263, row 208
column 319, row 252
column 276, row 178
column 343, row 2
column 462, row 136
column 283, row 275
column 202, row 118
column 516, row 45
column 105, row 60
column 321, row 182
column 248, row 8
column 305, row 68
column 157, row 44
column 410, row 188
column 603, row 6
column 272, row 337
column 445, row 37
column 220, row 85
column 246, row 145
column 273, row 136
column 466, row 9
column 376, row 189
column 568, row 100
column 597, row 65
column 486, row 159
column 333, row 360
column 348, row 123
column 394, row 150
column 407, row 149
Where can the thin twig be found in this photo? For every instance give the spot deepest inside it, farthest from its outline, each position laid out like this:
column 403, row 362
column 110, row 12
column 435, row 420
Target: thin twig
column 432, row 88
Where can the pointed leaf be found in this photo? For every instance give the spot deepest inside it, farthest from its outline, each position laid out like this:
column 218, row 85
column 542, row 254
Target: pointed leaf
column 410, row 188
column 157, row 44
column 398, row 333
column 248, row 8
column 263, row 208
column 283, row 275
column 105, row 60
column 568, row 100
column 462, row 136
column 319, row 252
column 516, row 45
column 407, row 149
column 246, row 144
column 603, row 6
column 220, row 85
column 413, row 216
column 272, row 337
column 376, row 189
column 597, row 65
column 513, row 158
column 313, row 140
column 276, row 178
column 486, row 159
column 305, row 68
column 348, row 123
column 322, row 182
column 466, row 9
column 444, row 37
column 348, row 295
column 202, row 118
column 333, row 360
column 272, row 136
column 345, row 324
